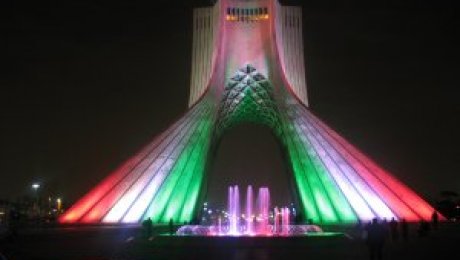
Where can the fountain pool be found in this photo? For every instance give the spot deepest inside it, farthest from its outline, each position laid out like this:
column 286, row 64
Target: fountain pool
column 255, row 221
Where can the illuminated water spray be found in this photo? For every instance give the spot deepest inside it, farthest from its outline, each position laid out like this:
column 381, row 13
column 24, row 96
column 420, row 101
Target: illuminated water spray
column 249, row 211
column 256, row 221
column 234, row 209
column 253, row 222
column 263, row 201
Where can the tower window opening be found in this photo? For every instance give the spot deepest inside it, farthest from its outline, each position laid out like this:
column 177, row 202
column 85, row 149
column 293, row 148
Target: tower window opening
column 230, row 13
column 246, row 14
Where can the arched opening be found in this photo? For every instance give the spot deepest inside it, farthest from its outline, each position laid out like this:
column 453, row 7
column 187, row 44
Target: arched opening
column 249, row 154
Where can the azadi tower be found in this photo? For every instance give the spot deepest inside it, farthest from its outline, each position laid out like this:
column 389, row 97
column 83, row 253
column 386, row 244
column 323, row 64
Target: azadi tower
column 247, row 66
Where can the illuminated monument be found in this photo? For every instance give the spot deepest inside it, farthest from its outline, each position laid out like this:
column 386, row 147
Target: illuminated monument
column 247, row 66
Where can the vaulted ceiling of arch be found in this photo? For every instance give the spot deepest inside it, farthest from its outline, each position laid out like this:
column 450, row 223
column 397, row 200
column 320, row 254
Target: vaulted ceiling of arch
column 248, row 97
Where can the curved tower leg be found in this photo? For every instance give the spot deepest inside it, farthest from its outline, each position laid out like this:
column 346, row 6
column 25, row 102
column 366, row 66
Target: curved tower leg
column 336, row 182
column 162, row 181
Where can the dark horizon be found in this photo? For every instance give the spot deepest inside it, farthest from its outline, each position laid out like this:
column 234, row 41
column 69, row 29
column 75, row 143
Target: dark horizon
column 85, row 85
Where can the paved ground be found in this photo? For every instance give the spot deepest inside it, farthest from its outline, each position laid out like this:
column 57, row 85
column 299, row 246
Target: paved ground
column 127, row 243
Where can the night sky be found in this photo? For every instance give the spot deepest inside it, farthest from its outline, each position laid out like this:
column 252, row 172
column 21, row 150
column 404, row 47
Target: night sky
column 85, row 84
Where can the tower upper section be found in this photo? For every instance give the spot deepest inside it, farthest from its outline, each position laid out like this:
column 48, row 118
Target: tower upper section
column 233, row 33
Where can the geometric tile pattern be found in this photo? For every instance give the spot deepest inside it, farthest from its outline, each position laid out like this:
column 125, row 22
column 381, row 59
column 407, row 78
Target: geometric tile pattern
column 248, row 97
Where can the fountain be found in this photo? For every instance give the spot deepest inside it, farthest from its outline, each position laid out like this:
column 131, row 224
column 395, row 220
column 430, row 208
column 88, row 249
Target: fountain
column 251, row 223
column 249, row 214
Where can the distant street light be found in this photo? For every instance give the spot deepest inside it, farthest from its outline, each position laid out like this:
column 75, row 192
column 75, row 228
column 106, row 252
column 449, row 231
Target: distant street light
column 59, row 204
column 35, row 186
